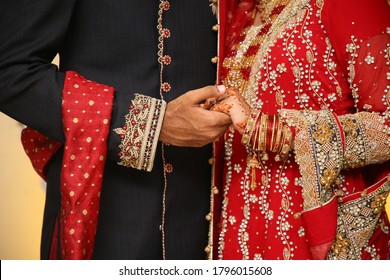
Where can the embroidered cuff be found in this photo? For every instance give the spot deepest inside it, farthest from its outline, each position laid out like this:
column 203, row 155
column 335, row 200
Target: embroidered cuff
column 318, row 147
column 367, row 139
column 359, row 217
column 139, row 135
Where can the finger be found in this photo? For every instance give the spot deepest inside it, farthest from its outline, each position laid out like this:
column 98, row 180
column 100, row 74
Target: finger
column 223, row 108
column 210, row 102
column 228, row 100
column 198, row 95
column 222, row 119
column 222, row 97
column 214, row 116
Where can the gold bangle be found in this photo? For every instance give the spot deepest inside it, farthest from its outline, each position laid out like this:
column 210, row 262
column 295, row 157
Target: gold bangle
column 287, row 140
column 264, row 127
column 279, row 131
column 280, row 146
column 272, row 133
column 256, row 136
column 262, row 143
column 249, row 127
column 262, row 132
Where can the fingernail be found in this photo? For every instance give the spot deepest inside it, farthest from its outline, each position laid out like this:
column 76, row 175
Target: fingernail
column 221, row 88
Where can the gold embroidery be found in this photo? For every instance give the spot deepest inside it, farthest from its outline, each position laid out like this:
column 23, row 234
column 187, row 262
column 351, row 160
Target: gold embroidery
column 357, row 221
column 366, row 139
column 341, row 247
column 251, row 64
column 379, row 203
column 323, row 133
column 328, row 178
column 294, row 40
column 318, row 150
column 139, row 135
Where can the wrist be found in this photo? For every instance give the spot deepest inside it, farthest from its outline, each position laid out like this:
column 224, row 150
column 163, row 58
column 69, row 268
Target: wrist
column 267, row 133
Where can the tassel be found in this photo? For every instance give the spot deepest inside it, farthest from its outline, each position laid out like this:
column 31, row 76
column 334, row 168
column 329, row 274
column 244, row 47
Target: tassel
column 253, row 163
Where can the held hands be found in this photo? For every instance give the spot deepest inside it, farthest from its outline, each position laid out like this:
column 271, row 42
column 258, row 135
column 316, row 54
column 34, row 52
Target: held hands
column 232, row 104
column 261, row 132
column 187, row 124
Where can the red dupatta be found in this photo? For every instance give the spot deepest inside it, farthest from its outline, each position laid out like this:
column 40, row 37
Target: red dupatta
column 86, row 114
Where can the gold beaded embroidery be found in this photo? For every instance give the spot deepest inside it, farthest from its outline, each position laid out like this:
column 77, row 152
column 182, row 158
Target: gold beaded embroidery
column 318, row 149
column 264, row 78
column 367, row 139
column 143, row 122
column 357, row 220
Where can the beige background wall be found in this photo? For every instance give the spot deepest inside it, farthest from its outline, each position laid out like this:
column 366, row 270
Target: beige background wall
column 21, row 197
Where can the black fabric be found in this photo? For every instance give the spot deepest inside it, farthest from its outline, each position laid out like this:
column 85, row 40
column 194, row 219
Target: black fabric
column 115, row 43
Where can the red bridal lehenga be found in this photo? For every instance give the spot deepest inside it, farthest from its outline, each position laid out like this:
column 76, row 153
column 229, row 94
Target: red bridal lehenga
column 323, row 69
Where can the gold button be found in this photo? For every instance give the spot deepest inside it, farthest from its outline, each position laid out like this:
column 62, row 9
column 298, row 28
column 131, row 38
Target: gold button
column 211, row 160
column 214, row 59
column 297, row 215
column 214, row 1
column 215, row 27
column 207, row 250
column 209, row 217
column 215, row 190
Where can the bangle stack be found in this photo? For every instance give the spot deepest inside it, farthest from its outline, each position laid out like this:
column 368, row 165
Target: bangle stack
column 262, row 143
column 250, row 127
column 267, row 133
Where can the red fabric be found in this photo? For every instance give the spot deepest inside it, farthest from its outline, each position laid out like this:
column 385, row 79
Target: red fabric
column 239, row 13
column 273, row 229
column 359, row 18
column 39, row 149
column 321, row 226
column 86, row 113
column 374, row 81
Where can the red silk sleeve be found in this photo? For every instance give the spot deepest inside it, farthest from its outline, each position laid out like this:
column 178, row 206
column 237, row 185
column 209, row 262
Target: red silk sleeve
column 359, row 31
column 361, row 19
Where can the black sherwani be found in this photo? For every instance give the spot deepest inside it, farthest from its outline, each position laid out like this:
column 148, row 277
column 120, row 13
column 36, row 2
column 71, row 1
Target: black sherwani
column 114, row 42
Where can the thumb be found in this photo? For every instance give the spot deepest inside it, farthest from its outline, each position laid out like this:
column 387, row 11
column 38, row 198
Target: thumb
column 198, row 95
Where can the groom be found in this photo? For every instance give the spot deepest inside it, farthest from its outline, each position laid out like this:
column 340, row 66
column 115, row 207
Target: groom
column 128, row 71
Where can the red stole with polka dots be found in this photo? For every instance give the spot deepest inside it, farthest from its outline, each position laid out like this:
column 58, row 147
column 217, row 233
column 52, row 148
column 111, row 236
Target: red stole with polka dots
column 86, row 113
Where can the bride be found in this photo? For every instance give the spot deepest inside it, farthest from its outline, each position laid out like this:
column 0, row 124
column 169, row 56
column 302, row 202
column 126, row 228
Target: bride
column 304, row 172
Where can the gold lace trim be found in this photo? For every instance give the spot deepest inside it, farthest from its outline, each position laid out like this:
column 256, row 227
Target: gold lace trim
column 367, row 139
column 357, row 221
column 139, row 135
column 319, row 153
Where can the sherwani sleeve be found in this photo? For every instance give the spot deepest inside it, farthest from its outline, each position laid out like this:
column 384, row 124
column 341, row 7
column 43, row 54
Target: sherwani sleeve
column 66, row 109
column 32, row 88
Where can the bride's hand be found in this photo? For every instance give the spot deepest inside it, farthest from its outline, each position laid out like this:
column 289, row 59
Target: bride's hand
column 235, row 106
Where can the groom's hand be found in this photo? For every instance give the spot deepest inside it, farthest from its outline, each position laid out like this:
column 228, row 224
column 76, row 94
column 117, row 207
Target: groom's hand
column 187, row 124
